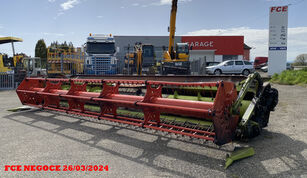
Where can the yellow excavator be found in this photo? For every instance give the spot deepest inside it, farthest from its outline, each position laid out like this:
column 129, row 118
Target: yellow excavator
column 142, row 60
column 175, row 59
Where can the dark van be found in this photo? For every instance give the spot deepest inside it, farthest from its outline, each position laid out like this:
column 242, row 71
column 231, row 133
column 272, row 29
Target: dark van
column 260, row 62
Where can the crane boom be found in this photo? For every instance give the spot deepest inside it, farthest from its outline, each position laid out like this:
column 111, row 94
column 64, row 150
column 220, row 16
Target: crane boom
column 176, row 58
column 172, row 27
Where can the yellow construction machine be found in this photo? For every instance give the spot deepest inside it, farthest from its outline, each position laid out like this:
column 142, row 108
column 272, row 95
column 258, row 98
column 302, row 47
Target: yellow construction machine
column 64, row 61
column 141, row 60
column 12, row 65
column 175, row 59
column 9, row 64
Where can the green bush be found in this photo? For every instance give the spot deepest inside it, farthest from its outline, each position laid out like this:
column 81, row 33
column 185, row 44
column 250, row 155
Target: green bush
column 291, row 77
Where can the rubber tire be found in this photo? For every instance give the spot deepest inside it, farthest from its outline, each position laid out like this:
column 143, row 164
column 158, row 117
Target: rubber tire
column 217, row 72
column 246, row 72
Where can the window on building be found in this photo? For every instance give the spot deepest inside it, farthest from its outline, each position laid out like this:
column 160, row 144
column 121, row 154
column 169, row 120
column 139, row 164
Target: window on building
column 230, row 57
column 148, row 51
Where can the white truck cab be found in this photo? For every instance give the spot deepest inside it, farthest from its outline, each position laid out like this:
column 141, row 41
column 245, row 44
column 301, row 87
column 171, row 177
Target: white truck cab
column 100, row 50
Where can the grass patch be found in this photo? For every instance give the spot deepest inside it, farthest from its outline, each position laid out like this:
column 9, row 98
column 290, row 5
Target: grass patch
column 291, row 77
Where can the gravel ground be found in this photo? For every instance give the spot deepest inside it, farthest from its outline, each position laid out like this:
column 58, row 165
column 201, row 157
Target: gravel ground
column 47, row 138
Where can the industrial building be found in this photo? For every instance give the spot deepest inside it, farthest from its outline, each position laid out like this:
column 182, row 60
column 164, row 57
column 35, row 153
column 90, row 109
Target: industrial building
column 203, row 48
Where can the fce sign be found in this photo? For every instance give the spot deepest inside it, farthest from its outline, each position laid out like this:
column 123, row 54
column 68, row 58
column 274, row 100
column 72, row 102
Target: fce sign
column 279, row 9
column 278, row 34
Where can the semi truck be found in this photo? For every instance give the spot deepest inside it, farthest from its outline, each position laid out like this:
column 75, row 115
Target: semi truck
column 100, row 55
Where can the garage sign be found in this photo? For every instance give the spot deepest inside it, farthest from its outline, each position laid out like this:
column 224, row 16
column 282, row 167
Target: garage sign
column 221, row 45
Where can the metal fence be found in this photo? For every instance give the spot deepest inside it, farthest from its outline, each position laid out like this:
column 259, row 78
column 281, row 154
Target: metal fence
column 105, row 65
column 6, row 81
column 198, row 67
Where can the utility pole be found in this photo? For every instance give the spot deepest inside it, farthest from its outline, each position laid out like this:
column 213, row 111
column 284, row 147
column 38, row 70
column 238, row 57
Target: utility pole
column 13, row 48
column 128, row 59
column 62, row 61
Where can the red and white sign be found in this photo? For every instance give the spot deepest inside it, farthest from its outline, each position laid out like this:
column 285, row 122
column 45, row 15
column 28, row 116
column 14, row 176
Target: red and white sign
column 223, row 45
column 278, row 35
column 279, row 9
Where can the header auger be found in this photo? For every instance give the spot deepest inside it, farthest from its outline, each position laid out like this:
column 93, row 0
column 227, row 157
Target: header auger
column 217, row 113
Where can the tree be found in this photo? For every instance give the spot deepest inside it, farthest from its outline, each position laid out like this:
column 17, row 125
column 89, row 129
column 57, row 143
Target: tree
column 301, row 60
column 41, row 49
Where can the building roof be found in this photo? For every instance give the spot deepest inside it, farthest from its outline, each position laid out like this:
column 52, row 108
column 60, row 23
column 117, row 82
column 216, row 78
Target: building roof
column 246, row 47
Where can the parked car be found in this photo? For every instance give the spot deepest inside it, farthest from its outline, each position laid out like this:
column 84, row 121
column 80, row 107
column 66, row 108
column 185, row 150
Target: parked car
column 231, row 67
column 289, row 66
column 265, row 68
column 260, row 62
column 212, row 63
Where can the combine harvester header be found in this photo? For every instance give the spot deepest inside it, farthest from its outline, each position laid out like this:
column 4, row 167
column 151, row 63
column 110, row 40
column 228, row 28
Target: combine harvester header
column 218, row 113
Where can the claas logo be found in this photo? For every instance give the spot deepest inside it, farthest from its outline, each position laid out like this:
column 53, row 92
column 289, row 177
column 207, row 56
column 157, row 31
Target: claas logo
column 279, row 9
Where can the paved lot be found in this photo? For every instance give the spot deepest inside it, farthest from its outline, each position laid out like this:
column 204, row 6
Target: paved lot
column 49, row 138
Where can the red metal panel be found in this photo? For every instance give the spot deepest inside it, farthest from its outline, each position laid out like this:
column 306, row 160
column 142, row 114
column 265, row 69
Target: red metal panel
column 223, row 45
